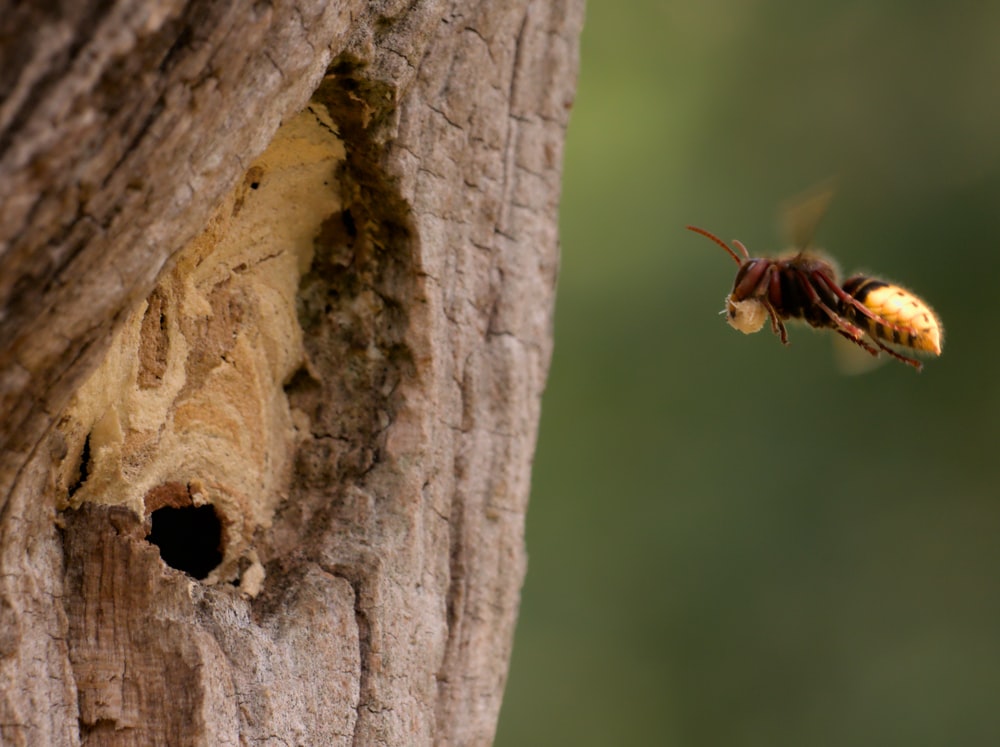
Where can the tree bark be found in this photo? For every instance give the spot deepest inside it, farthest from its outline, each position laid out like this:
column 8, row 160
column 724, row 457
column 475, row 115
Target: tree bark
column 276, row 284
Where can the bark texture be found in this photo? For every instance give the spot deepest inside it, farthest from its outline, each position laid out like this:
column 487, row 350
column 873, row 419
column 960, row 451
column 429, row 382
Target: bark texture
column 292, row 263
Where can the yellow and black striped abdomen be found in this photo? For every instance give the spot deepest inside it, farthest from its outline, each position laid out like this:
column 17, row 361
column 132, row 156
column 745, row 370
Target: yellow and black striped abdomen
column 908, row 320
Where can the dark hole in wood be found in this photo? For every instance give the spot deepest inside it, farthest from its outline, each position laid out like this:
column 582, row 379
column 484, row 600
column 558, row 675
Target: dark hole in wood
column 84, row 472
column 189, row 538
column 349, row 225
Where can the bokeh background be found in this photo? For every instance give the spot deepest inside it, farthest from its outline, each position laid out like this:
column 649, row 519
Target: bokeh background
column 731, row 542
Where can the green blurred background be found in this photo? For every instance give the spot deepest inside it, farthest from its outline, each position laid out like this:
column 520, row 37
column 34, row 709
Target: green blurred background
column 732, row 543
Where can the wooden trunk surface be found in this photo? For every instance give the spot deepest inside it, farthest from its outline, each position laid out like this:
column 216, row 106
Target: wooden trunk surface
column 294, row 262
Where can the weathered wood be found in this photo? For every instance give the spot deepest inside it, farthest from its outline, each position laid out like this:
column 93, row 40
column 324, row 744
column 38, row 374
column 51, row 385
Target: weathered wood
column 337, row 342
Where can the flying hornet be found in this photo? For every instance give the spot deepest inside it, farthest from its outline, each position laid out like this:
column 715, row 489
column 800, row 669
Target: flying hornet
column 803, row 285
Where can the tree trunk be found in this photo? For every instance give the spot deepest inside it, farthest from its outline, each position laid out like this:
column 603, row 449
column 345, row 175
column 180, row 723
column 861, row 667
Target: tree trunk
column 276, row 284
